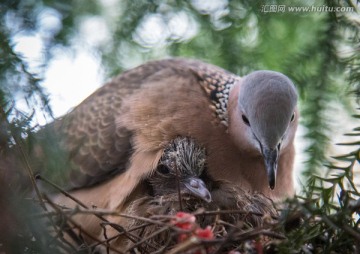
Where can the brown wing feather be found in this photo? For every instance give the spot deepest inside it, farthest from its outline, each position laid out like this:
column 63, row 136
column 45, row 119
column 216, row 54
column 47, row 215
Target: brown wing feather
column 98, row 133
column 97, row 146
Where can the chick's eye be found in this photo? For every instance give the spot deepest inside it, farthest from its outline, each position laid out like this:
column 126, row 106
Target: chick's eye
column 163, row 169
column 292, row 117
column 246, row 121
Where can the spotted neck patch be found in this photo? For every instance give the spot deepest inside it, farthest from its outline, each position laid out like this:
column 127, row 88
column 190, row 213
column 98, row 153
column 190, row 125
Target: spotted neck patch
column 217, row 83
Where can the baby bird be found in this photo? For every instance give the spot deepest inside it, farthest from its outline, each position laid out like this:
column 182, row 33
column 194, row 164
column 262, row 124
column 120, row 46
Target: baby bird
column 179, row 183
column 179, row 170
column 175, row 182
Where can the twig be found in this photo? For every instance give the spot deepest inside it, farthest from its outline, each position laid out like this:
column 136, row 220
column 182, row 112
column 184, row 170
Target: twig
column 192, row 243
column 58, row 188
column 106, row 243
column 147, row 238
column 98, row 213
column 221, row 222
column 259, row 231
column 53, row 205
column 115, row 236
column 227, row 240
column 185, row 246
column 231, row 212
column 103, row 212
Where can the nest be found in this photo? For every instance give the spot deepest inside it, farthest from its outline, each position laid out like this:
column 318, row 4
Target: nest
column 201, row 227
column 235, row 221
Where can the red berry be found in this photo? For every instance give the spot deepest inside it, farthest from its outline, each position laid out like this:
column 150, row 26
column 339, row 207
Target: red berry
column 204, row 233
column 184, row 220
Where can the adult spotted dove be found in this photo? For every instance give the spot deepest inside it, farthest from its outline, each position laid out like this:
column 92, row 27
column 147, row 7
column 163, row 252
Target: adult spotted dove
column 113, row 141
column 115, row 138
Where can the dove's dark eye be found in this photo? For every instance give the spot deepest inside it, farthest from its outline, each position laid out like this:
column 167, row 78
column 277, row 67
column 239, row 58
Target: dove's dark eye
column 292, row 117
column 246, row 121
column 163, row 169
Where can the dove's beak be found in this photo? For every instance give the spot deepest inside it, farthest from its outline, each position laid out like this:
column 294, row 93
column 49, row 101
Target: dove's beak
column 271, row 162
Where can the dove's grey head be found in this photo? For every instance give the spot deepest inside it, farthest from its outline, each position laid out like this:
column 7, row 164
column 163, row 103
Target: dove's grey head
column 263, row 119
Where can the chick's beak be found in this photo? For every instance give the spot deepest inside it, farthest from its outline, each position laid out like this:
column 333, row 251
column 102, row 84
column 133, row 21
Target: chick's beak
column 198, row 188
column 271, row 162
